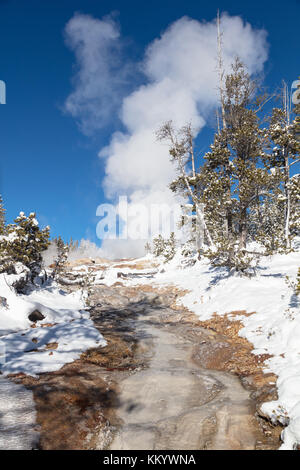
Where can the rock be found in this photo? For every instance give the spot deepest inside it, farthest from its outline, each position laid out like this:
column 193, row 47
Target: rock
column 36, row 315
column 136, row 275
column 70, row 280
column 3, row 302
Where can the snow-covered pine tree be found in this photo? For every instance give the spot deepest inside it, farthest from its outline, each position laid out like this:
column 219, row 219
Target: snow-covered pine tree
column 158, row 245
column 295, row 180
column 294, row 188
column 22, row 245
column 216, row 182
column 235, row 178
column 170, row 247
column 242, row 188
column 164, row 247
column 61, row 258
column 284, row 155
column 87, row 284
column 233, row 184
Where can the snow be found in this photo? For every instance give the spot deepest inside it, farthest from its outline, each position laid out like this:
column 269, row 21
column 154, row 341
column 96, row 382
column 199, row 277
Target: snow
column 60, row 338
column 17, row 417
column 66, row 323
column 273, row 327
column 110, row 275
column 27, row 352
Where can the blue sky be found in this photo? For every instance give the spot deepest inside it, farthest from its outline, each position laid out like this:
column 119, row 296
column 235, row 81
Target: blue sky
column 47, row 164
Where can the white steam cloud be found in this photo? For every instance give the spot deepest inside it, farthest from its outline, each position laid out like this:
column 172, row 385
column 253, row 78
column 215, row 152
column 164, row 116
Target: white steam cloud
column 181, row 84
column 100, row 77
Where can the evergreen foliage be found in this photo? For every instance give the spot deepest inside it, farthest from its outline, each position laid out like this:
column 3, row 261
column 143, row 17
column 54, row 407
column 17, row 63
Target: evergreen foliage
column 87, row 284
column 164, row 247
column 170, row 247
column 22, row 245
column 245, row 184
column 158, row 245
column 61, row 258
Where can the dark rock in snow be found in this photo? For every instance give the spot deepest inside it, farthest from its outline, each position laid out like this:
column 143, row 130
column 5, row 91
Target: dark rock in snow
column 3, row 302
column 36, row 315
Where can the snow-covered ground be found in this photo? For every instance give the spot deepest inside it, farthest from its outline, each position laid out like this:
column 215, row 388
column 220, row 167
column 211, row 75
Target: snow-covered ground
column 58, row 339
column 273, row 328
column 17, row 417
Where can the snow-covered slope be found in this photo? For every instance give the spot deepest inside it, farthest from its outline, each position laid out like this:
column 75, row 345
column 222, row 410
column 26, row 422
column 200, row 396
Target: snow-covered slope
column 60, row 338
column 273, row 328
column 32, row 348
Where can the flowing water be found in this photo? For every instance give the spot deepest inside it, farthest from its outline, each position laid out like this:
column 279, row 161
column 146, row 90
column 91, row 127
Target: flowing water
column 174, row 404
column 170, row 402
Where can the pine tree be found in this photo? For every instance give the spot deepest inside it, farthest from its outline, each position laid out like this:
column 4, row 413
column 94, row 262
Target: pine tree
column 23, row 244
column 158, row 245
column 87, row 284
column 165, row 247
column 294, row 188
column 243, row 138
column 234, row 181
column 170, row 247
column 61, row 258
column 284, row 155
column 235, row 185
column 246, row 191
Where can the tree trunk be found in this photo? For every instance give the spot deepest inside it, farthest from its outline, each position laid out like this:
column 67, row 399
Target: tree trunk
column 243, row 229
column 288, row 201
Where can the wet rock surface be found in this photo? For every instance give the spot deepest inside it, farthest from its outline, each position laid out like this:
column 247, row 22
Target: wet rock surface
column 160, row 383
column 176, row 402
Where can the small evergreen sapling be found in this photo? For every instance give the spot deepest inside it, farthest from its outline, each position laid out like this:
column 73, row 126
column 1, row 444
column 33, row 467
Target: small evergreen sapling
column 61, row 258
column 170, row 247
column 164, row 247
column 159, row 246
column 87, row 284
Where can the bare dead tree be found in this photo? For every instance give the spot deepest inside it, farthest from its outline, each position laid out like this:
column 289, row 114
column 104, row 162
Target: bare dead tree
column 181, row 149
column 220, row 67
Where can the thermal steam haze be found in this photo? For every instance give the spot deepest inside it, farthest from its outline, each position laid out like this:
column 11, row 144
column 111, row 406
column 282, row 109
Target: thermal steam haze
column 179, row 71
